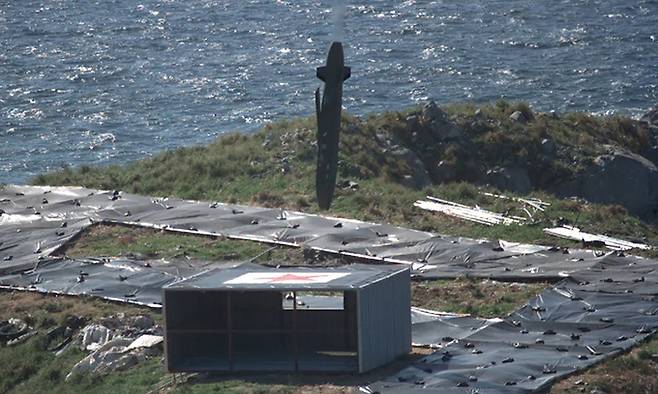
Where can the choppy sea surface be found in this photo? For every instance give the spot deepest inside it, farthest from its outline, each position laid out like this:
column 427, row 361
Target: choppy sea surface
column 93, row 82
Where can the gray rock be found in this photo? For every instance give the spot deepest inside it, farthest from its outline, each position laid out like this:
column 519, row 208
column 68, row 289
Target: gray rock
column 418, row 178
column 651, row 154
column 651, row 117
column 140, row 322
column 444, row 172
column 432, row 113
column 94, row 336
column 433, row 118
column 548, row 148
column 516, row 116
column 514, row 179
column 620, row 177
column 385, row 140
column 412, row 122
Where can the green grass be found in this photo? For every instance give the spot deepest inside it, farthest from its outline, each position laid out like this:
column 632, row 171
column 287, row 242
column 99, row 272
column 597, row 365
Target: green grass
column 146, row 243
column 289, row 385
column 39, row 371
column 482, row 298
column 29, row 368
column 634, row 372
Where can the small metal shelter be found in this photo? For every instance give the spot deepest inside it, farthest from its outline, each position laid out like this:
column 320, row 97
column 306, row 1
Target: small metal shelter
column 253, row 318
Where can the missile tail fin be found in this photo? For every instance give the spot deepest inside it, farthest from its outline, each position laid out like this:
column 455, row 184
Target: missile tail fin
column 321, row 72
column 347, row 72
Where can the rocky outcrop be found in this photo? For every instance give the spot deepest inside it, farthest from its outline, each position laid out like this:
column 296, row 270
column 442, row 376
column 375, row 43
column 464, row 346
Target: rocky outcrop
column 444, row 172
column 518, row 116
column 514, row 179
column 438, row 148
column 651, row 119
column 438, row 123
column 417, row 177
column 621, row 178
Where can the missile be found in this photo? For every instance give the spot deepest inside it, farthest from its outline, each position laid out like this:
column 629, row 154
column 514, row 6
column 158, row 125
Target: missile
column 328, row 108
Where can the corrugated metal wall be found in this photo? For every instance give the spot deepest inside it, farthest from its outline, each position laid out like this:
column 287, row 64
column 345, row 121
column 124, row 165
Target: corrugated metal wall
column 384, row 321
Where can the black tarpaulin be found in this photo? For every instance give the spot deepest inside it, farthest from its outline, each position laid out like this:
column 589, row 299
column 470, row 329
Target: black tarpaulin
column 560, row 331
column 50, row 216
column 603, row 305
column 125, row 280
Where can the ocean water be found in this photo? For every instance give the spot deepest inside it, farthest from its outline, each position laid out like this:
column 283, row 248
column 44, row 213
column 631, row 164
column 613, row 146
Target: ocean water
column 95, row 82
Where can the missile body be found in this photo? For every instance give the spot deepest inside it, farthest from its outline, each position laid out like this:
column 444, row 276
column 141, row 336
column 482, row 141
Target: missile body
column 328, row 108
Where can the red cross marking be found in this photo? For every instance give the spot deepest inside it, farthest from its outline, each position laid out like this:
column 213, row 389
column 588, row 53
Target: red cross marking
column 294, row 278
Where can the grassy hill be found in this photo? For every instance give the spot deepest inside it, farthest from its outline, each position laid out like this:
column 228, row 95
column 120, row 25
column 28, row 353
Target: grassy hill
column 396, row 158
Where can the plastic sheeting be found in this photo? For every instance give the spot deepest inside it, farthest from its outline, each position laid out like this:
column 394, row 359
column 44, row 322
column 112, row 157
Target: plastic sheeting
column 437, row 329
column 38, row 220
column 594, row 314
column 605, row 304
column 125, row 280
column 545, row 265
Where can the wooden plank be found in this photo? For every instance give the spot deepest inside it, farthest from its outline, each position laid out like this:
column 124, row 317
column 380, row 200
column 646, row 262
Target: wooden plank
column 533, row 202
column 474, row 214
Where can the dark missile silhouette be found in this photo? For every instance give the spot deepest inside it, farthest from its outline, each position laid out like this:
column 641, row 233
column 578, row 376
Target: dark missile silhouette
column 328, row 110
